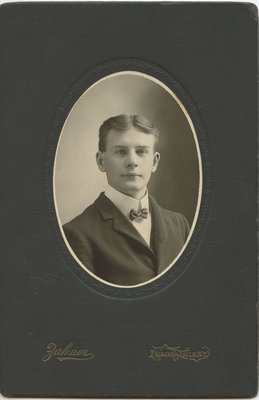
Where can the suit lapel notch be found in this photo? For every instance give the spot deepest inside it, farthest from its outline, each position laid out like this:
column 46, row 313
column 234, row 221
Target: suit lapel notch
column 120, row 223
column 125, row 227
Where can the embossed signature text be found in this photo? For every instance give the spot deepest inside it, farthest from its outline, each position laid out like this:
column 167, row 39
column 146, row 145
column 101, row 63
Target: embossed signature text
column 66, row 353
column 175, row 352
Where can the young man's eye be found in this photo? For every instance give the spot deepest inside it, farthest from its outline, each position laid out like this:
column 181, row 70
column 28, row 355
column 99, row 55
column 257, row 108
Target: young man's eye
column 121, row 152
column 141, row 151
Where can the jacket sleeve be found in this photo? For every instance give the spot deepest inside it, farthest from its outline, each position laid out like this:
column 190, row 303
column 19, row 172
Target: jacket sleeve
column 80, row 245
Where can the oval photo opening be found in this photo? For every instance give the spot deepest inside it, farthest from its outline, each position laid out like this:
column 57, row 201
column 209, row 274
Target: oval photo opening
column 127, row 179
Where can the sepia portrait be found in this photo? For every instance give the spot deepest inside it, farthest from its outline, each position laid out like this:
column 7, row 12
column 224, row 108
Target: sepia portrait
column 127, row 179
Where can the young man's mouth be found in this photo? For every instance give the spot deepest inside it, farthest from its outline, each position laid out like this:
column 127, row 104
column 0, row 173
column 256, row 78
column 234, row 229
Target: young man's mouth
column 131, row 174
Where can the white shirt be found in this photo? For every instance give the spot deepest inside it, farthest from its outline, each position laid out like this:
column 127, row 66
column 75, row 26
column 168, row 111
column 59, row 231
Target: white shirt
column 125, row 203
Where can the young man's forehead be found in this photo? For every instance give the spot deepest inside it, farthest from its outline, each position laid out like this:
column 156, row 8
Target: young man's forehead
column 138, row 146
column 120, row 135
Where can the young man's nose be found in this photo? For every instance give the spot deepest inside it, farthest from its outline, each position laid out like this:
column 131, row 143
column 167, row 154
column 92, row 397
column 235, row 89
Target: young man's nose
column 132, row 159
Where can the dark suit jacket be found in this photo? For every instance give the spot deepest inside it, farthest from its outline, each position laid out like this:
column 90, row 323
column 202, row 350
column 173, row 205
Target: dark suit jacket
column 109, row 245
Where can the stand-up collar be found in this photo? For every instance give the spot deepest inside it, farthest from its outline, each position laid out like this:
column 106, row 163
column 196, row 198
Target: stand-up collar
column 126, row 203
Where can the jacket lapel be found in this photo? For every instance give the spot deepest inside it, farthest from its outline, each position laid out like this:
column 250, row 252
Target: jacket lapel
column 120, row 223
column 160, row 232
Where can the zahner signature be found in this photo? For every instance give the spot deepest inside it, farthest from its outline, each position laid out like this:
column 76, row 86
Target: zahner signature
column 66, row 353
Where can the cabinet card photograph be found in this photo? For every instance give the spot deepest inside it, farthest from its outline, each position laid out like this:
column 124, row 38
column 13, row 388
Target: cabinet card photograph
column 127, row 179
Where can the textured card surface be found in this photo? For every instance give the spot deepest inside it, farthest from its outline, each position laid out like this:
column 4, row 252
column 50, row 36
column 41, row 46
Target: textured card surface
column 128, row 187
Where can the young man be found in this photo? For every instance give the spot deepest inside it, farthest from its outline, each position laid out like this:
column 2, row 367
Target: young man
column 125, row 237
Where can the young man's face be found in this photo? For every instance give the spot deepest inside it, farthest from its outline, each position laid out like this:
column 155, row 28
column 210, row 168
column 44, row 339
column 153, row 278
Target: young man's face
column 128, row 161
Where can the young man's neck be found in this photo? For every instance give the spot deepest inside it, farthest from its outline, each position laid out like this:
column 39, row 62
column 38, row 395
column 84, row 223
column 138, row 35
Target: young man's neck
column 134, row 195
column 137, row 196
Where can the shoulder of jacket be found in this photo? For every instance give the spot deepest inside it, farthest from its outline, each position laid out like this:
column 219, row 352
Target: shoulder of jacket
column 178, row 219
column 84, row 219
column 174, row 217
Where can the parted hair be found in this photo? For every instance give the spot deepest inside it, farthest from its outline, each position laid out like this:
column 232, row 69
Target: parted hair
column 124, row 122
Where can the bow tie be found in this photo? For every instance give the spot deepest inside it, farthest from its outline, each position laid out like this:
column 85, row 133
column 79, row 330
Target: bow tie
column 143, row 213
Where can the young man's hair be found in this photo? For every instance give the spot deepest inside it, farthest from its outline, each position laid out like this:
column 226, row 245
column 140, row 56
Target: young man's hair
column 123, row 123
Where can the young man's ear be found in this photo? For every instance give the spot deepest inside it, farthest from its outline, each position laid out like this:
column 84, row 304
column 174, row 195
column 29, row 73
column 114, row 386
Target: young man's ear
column 100, row 161
column 156, row 158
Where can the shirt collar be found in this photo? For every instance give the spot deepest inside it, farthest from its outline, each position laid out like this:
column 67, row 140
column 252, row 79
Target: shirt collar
column 126, row 203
